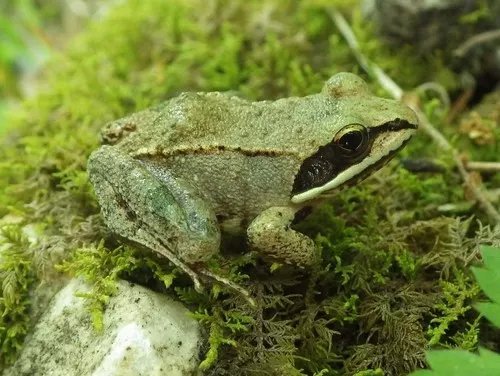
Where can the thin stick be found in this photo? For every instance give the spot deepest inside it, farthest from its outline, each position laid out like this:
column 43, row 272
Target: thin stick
column 460, row 104
column 469, row 44
column 372, row 69
column 388, row 84
column 482, row 200
column 439, row 89
column 483, row 166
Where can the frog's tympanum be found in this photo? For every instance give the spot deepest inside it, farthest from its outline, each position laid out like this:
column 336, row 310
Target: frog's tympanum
column 173, row 177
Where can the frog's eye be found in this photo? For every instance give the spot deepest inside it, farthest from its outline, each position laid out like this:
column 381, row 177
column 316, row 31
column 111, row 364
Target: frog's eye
column 352, row 139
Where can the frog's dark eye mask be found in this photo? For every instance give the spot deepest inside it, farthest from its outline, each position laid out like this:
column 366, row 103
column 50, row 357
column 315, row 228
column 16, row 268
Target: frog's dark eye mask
column 354, row 153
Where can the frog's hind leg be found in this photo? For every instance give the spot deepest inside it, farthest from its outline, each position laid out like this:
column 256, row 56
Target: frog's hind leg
column 154, row 210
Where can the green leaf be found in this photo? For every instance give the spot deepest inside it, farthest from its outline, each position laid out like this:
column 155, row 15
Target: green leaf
column 456, row 362
column 491, row 311
column 491, row 258
column 461, row 363
column 489, row 278
column 423, row 372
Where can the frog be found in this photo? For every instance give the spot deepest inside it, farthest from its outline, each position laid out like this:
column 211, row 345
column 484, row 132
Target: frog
column 177, row 177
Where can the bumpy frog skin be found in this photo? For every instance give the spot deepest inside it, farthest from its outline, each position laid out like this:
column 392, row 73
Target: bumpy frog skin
column 171, row 178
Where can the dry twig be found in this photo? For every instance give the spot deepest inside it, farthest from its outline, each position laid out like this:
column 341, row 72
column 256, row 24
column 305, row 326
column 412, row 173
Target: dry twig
column 476, row 40
column 483, row 166
column 460, row 104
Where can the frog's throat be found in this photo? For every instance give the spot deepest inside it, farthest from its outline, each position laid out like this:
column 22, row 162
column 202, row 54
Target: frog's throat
column 359, row 171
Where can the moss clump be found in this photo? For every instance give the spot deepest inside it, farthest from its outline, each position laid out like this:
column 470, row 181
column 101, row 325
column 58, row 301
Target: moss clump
column 16, row 280
column 394, row 278
column 481, row 127
column 102, row 267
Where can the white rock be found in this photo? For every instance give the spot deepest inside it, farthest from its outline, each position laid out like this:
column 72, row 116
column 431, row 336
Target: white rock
column 145, row 334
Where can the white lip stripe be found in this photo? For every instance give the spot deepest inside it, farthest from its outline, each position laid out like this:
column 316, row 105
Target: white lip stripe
column 349, row 173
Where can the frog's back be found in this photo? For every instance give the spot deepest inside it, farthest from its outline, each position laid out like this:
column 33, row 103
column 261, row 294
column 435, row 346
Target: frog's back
column 216, row 121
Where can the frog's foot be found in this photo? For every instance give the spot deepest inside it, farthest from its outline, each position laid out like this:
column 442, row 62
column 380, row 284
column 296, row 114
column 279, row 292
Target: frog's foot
column 165, row 252
column 270, row 234
column 229, row 284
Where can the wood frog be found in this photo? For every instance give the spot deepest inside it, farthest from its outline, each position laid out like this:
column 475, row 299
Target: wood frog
column 174, row 177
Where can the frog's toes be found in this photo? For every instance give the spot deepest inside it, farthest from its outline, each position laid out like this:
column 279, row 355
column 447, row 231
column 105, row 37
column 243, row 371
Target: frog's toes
column 229, row 284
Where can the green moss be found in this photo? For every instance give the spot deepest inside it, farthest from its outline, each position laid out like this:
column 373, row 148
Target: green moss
column 479, row 131
column 16, row 280
column 102, row 267
column 452, row 306
column 393, row 266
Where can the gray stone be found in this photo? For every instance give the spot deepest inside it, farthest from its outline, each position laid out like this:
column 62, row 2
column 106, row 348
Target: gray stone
column 145, row 333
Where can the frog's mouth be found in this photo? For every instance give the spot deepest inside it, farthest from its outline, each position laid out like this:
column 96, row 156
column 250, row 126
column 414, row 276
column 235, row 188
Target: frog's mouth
column 325, row 173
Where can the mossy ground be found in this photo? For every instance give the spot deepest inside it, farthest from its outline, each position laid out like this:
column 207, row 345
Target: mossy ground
column 394, row 279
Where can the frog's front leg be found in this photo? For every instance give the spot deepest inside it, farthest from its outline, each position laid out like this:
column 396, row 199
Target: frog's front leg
column 271, row 235
column 157, row 211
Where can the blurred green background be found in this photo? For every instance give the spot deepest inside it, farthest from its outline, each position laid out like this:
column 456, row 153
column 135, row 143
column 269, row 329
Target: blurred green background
column 30, row 31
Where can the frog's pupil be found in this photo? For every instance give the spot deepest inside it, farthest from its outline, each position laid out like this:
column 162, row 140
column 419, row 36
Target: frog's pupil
column 351, row 140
